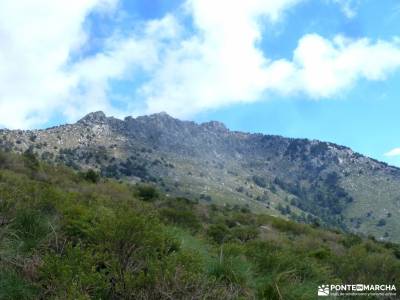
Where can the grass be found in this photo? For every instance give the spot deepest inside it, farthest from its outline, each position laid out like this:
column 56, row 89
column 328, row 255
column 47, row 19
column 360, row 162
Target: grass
column 68, row 237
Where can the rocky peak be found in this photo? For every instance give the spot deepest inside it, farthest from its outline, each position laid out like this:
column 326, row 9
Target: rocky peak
column 160, row 117
column 160, row 120
column 162, row 114
column 97, row 117
column 215, row 126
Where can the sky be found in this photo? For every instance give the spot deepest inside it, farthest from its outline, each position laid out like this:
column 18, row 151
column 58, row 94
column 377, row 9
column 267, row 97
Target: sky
column 316, row 69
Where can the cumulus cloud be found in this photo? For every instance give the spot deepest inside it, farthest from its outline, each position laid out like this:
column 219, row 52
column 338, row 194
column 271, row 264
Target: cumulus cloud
column 37, row 39
column 214, row 63
column 321, row 68
column 121, row 59
column 218, row 65
column 393, row 153
column 222, row 65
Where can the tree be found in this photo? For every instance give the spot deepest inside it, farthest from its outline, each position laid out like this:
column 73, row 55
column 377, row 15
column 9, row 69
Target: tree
column 260, row 181
column 382, row 222
column 92, row 176
column 219, row 233
column 31, row 161
column 147, row 192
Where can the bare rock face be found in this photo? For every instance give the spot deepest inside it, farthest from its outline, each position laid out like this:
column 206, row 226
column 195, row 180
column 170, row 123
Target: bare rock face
column 309, row 181
column 97, row 117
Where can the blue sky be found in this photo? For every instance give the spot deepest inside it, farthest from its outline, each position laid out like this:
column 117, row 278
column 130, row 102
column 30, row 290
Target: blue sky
column 326, row 69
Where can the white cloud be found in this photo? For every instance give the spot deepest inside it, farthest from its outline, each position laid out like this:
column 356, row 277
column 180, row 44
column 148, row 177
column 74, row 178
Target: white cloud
column 348, row 7
column 393, row 153
column 122, row 59
column 216, row 63
column 222, row 65
column 322, row 68
column 37, row 38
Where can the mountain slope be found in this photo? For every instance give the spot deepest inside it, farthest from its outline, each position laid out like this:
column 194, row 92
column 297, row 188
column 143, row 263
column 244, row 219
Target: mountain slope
column 308, row 181
column 69, row 235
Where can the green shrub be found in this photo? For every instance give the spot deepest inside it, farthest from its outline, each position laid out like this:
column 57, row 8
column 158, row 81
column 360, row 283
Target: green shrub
column 135, row 246
column 14, row 287
column 30, row 159
column 245, row 233
column 91, row 176
column 78, row 223
column 147, row 192
column 230, row 271
column 219, row 233
column 289, row 226
column 234, row 272
column 30, row 229
column 183, row 218
column 381, row 222
column 3, row 159
column 351, row 240
column 260, row 181
column 77, row 274
column 321, row 253
column 62, row 238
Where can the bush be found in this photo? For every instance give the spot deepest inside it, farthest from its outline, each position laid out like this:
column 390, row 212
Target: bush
column 13, row 287
column 184, row 218
column 91, row 176
column 62, row 238
column 289, row 226
column 231, row 270
column 351, row 240
column 260, row 181
column 147, row 192
column 219, row 233
column 30, row 229
column 74, row 275
column 78, row 223
column 321, row 253
column 3, row 159
column 381, row 222
column 31, row 161
column 134, row 246
column 245, row 233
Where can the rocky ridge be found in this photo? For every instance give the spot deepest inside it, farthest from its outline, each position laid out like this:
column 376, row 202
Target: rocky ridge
column 306, row 180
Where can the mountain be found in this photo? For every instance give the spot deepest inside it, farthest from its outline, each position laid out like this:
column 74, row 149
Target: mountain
column 305, row 180
column 76, row 235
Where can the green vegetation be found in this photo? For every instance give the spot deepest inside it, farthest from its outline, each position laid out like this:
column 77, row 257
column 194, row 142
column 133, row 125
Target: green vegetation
column 146, row 192
column 323, row 197
column 68, row 235
column 91, row 176
column 260, row 181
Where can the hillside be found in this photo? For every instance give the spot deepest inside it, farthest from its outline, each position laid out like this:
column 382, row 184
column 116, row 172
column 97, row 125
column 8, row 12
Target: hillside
column 303, row 180
column 69, row 235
